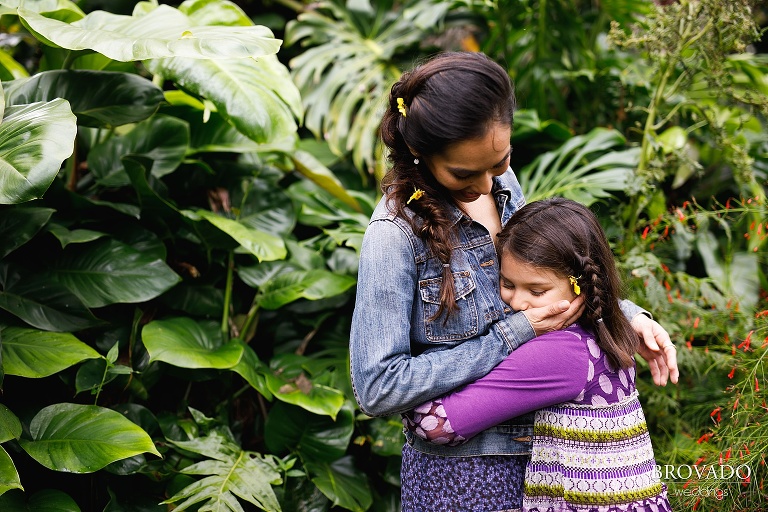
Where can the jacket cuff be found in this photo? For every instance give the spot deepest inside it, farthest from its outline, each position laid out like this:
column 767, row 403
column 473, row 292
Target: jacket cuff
column 515, row 329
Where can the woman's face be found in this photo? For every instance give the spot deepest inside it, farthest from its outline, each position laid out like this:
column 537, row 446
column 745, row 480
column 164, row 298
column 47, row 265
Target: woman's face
column 525, row 286
column 467, row 168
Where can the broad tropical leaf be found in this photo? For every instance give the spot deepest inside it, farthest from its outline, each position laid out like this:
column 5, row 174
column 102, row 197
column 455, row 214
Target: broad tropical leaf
column 232, row 473
column 316, row 438
column 312, row 169
column 36, row 354
column 9, row 476
column 188, row 344
column 18, row 225
column 42, row 302
column 342, row 483
column 161, row 139
column 349, row 60
column 162, row 32
column 46, row 500
column 108, row 272
column 34, row 140
column 585, row 168
column 257, row 96
column 83, row 438
column 97, row 98
column 287, row 379
column 302, row 284
column 259, row 243
column 10, row 426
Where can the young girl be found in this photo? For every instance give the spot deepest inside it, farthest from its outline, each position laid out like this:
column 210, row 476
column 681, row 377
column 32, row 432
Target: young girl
column 591, row 449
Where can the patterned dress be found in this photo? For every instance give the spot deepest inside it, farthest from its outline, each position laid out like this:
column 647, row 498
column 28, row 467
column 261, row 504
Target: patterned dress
column 591, row 448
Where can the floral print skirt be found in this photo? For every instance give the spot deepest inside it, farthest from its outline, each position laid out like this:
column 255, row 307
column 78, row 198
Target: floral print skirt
column 489, row 483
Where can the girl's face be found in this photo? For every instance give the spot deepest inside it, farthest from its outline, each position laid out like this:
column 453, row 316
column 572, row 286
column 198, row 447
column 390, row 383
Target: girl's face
column 467, row 168
column 525, row 286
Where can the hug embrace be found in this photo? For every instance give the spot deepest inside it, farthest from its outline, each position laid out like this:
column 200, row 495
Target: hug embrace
column 495, row 328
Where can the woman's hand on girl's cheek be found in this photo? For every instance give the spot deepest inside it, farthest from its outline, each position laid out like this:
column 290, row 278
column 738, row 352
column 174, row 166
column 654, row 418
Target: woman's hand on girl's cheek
column 555, row 316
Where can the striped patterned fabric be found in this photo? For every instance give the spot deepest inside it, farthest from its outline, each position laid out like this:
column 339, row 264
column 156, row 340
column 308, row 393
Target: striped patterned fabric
column 595, row 458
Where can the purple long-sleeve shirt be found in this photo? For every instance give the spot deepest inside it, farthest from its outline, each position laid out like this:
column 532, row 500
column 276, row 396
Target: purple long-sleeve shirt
column 548, row 370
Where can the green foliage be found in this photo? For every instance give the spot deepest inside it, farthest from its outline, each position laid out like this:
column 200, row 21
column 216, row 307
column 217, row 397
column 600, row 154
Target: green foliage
column 148, row 223
column 178, row 265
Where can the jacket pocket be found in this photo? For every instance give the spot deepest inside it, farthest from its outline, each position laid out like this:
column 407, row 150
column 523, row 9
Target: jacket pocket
column 460, row 325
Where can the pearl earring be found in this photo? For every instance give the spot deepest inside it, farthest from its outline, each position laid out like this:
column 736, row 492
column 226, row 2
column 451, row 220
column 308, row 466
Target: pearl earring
column 416, row 161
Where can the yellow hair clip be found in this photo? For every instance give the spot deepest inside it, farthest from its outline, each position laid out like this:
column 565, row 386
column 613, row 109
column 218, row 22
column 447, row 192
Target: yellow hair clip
column 401, row 106
column 575, row 283
column 417, row 193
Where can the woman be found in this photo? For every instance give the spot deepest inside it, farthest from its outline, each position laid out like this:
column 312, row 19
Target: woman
column 428, row 316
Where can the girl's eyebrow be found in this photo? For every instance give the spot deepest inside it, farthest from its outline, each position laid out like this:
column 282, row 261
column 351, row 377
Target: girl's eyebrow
column 495, row 166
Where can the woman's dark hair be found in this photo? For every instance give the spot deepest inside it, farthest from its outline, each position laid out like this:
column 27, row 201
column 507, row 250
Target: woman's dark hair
column 566, row 238
column 450, row 98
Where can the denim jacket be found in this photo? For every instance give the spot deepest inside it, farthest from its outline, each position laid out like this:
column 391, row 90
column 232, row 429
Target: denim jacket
column 398, row 358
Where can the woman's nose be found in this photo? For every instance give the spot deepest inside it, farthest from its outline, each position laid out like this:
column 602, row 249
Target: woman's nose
column 484, row 183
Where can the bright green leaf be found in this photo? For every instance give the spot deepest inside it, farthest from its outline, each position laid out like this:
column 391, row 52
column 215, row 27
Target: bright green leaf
column 36, row 354
column 10, row 426
column 108, row 272
column 162, row 32
column 34, row 141
column 9, row 476
column 311, row 285
column 83, row 438
column 342, row 483
column 262, row 245
column 97, row 98
column 188, row 344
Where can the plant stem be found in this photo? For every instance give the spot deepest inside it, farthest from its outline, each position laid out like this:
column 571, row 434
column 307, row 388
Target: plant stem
column 228, row 294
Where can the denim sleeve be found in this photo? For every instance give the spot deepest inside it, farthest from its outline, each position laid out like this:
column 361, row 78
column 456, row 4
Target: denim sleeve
column 386, row 378
column 631, row 310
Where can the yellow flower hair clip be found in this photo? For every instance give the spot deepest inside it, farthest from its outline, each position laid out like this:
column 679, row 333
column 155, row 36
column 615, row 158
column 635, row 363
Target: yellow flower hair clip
column 417, row 193
column 575, row 284
column 401, row 106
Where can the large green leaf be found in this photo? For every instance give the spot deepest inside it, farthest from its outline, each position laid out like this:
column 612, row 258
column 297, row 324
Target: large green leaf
column 311, row 396
column 263, row 245
column 254, row 371
column 257, row 96
column 10, row 426
column 162, row 32
column 316, row 438
column 98, row 98
column 9, row 476
column 162, row 139
column 18, row 225
column 583, row 169
column 310, row 284
column 349, row 62
column 41, row 302
column 36, row 354
column 47, row 500
column 108, row 272
column 232, row 473
column 34, row 140
column 311, row 168
column 83, row 438
column 342, row 482
column 188, row 344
